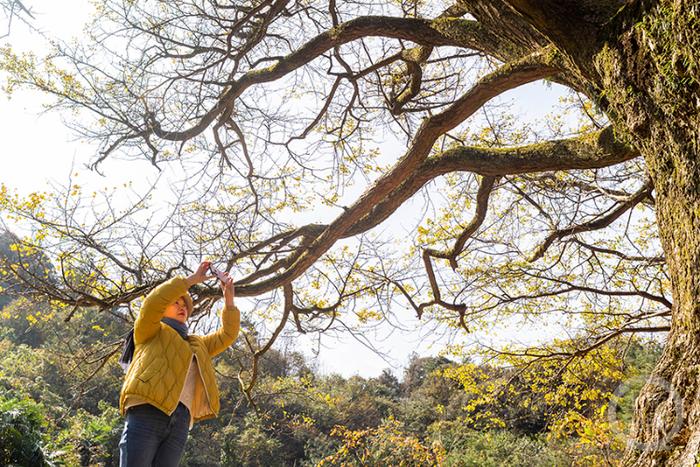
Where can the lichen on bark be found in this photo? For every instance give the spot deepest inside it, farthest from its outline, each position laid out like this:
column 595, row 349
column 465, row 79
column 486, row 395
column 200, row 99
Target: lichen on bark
column 649, row 86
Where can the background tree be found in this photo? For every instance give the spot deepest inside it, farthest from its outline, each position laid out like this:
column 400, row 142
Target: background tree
column 223, row 89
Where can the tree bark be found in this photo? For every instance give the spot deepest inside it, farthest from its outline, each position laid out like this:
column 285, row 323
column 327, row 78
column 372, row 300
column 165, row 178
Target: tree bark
column 649, row 78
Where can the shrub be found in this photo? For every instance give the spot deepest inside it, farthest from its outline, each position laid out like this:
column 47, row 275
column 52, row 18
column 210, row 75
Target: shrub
column 21, row 421
column 91, row 439
column 251, row 446
column 467, row 447
column 388, row 444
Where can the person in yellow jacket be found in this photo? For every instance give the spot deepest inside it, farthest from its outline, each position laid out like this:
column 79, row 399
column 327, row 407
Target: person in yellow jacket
column 170, row 381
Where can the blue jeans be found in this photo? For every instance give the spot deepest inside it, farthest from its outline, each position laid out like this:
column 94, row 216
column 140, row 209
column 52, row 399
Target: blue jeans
column 152, row 438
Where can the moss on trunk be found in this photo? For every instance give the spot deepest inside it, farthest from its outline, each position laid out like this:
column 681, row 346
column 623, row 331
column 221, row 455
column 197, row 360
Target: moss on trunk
column 648, row 71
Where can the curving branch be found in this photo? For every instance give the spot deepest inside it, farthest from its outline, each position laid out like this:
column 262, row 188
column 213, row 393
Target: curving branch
column 596, row 224
column 482, row 200
column 509, row 76
column 570, row 287
column 595, row 150
column 414, row 58
column 660, row 259
column 416, row 30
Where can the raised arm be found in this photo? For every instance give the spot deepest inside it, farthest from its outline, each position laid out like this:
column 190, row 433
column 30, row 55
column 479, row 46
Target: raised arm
column 226, row 335
column 218, row 341
column 148, row 322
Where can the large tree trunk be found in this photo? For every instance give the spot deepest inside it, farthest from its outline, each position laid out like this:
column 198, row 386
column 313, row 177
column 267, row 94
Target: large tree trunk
column 667, row 415
column 649, row 73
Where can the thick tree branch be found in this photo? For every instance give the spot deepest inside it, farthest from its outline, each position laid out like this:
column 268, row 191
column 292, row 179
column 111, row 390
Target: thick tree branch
column 482, row 200
column 508, row 77
column 595, row 150
column 573, row 26
column 416, row 30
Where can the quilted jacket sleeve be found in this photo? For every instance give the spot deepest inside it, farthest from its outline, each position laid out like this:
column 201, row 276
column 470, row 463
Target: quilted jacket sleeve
column 218, row 341
column 148, row 322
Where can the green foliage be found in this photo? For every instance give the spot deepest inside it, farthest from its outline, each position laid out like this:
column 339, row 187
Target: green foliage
column 21, row 425
column 429, row 417
column 43, row 360
column 18, row 264
column 430, row 396
column 251, row 445
column 640, row 361
column 419, row 369
column 24, row 322
column 32, row 373
column 468, row 447
column 91, row 439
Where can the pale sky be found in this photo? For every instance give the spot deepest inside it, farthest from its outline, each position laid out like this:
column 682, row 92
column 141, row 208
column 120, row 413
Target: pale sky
column 37, row 149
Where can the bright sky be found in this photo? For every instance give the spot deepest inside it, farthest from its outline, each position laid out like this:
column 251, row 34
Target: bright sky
column 38, row 149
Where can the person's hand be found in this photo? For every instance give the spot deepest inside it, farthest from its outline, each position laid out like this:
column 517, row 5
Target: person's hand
column 200, row 275
column 228, row 289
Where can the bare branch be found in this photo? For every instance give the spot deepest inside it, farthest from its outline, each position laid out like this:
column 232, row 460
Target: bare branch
column 599, row 223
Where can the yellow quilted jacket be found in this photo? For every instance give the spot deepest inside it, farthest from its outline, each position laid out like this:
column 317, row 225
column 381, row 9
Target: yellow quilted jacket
column 161, row 357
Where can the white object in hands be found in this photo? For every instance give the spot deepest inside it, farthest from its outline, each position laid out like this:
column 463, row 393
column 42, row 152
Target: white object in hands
column 220, row 275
